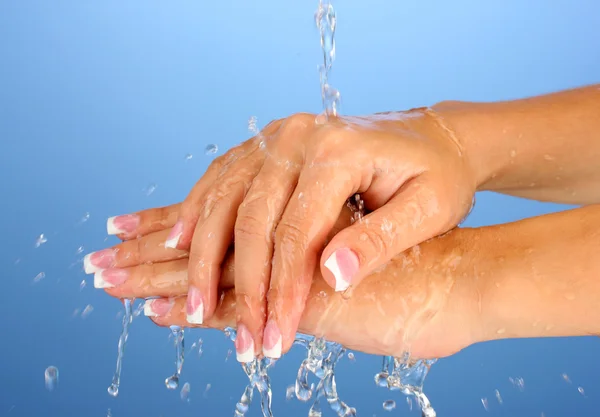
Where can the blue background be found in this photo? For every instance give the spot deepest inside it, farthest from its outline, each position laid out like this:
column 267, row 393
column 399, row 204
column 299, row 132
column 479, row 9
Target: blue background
column 101, row 99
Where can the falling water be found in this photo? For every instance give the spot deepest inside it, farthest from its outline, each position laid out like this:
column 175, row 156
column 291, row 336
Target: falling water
column 172, row 382
column 325, row 20
column 257, row 372
column 407, row 375
column 113, row 390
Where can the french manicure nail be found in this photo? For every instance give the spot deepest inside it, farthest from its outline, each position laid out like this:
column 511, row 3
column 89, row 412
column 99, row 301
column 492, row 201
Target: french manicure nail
column 194, row 306
column 109, row 278
column 96, row 261
column 122, row 224
column 272, row 340
column 174, row 236
column 158, row 307
column 343, row 264
column 244, row 345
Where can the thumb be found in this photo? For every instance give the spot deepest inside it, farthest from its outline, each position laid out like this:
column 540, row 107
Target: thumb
column 412, row 216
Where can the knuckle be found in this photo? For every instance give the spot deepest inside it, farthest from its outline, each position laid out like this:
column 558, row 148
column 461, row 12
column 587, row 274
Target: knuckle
column 249, row 225
column 289, row 233
column 373, row 242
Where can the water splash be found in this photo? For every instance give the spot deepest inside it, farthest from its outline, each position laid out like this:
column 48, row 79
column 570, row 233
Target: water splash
column 172, row 382
column 113, row 390
column 257, row 372
column 407, row 375
column 320, row 361
column 325, row 20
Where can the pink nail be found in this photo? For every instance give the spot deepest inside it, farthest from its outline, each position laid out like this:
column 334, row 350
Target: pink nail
column 343, row 264
column 127, row 223
column 174, row 236
column 194, row 306
column 109, row 278
column 96, row 261
column 272, row 340
column 244, row 344
column 159, row 307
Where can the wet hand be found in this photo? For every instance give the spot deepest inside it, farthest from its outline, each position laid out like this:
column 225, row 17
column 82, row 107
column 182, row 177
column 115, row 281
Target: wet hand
column 277, row 196
column 415, row 303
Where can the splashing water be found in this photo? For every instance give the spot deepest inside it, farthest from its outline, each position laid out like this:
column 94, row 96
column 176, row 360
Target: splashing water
column 320, row 361
column 172, row 382
column 325, row 20
column 257, row 372
column 407, row 375
column 113, row 390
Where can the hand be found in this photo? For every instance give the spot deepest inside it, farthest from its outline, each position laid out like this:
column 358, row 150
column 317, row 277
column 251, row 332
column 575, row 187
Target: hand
column 279, row 194
column 411, row 304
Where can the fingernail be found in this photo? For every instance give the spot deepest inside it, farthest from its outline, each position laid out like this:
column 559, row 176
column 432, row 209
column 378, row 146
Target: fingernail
column 194, row 306
column 96, row 261
column 122, row 224
column 173, row 238
column 244, row 345
column 109, row 278
column 343, row 264
column 272, row 340
column 158, row 307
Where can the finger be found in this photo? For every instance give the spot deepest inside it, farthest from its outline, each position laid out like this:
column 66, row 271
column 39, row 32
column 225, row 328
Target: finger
column 149, row 248
column 214, row 234
column 356, row 322
column 167, row 279
column 193, row 206
column 412, row 216
column 256, row 219
column 308, row 218
column 141, row 223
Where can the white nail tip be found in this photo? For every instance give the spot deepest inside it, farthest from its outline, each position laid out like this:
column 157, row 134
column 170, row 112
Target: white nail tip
column 88, row 267
column 148, row 312
column 111, row 229
column 99, row 282
column 172, row 243
column 332, row 265
column 247, row 356
column 197, row 317
column 275, row 351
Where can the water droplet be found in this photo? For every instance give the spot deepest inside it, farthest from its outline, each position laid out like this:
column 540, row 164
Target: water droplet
column 290, row 392
column 82, row 285
column 351, row 356
column 109, row 413
column 87, row 311
column 150, row 189
column 39, row 277
column 79, row 250
column 566, row 378
column 51, row 377
column 252, row 125
column 484, row 402
column 498, row 397
column 581, row 391
column 211, row 149
column 185, row 392
column 188, row 156
column 113, row 390
column 208, row 386
column 389, row 405
column 40, row 240
column 84, row 218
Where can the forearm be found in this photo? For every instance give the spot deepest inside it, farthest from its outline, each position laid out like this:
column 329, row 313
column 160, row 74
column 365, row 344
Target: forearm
column 542, row 276
column 545, row 148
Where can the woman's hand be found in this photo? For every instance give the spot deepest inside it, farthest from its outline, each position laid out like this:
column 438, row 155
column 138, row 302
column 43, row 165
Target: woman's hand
column 418, row 302
column 279, row 194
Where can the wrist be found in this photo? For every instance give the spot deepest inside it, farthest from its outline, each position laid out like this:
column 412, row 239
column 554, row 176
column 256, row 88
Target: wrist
column 476, row 128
